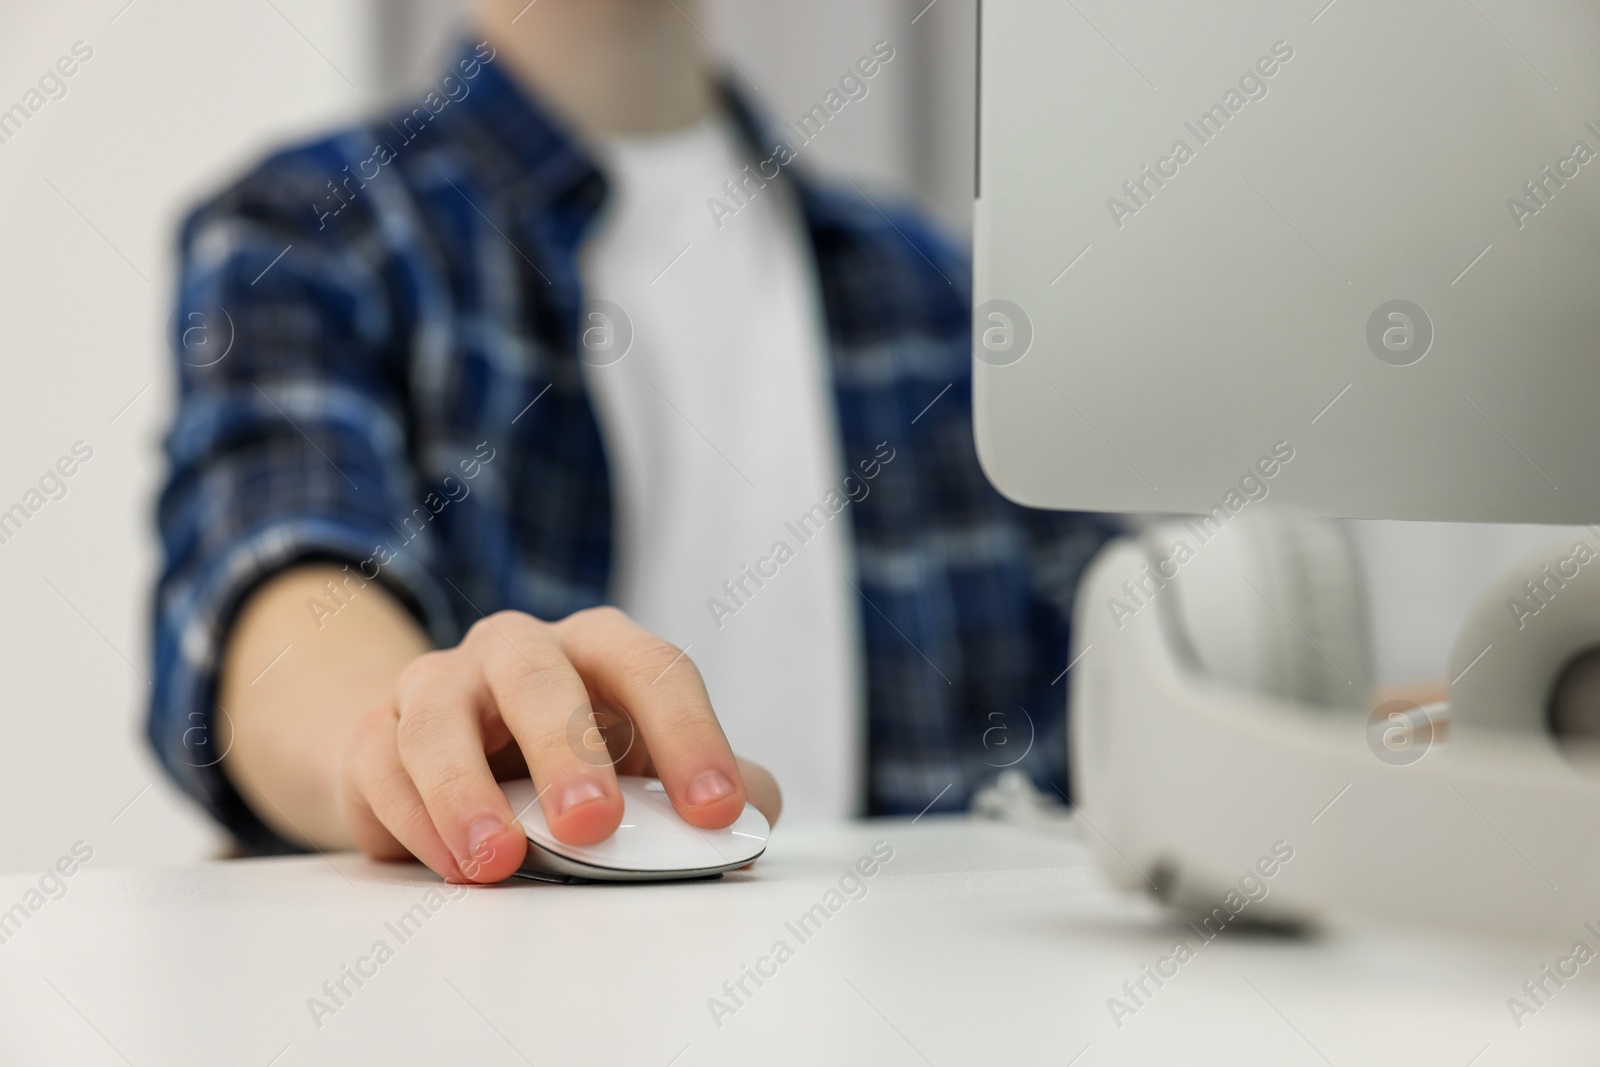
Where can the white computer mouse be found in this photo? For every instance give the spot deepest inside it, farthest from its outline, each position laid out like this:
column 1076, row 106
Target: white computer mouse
column 653, row 843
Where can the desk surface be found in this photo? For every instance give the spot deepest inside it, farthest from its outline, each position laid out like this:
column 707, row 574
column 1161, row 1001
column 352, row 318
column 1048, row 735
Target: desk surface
column 977, row 943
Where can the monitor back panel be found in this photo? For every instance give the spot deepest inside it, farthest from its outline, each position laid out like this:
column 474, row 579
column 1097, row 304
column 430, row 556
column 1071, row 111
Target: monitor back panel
column 1346, row 256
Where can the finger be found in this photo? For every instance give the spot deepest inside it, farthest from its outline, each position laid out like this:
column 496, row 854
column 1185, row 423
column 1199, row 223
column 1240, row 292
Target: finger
column 382, row 809
column 762, row 789
column 656, row 684
column 608, row 734
column 440, row 741
column 537, row 694
column 764, row 793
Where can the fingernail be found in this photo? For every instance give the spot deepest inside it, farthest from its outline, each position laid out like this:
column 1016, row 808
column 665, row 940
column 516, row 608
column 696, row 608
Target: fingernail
column 710, row 786
column 578, row 793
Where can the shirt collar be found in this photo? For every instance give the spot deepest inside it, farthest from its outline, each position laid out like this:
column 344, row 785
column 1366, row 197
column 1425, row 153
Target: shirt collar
column 520, row 149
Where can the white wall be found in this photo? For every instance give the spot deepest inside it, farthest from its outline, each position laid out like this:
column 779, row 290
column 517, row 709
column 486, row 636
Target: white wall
column 1424, row 577
column 177, row 94
column 914, row 132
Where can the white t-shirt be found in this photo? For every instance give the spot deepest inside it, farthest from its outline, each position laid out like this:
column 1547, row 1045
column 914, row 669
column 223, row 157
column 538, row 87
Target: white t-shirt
column 719, row 425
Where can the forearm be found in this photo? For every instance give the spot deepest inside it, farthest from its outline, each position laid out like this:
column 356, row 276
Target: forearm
column 296, row 680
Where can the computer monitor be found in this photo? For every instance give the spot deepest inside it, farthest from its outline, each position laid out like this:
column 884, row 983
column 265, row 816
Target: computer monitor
column 1344, row 254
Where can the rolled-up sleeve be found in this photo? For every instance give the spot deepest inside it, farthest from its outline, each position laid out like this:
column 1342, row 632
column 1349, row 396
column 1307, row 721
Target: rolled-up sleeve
column 288, row 444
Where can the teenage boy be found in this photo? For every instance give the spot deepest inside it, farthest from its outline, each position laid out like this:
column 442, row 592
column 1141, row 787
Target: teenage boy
column 563, row 402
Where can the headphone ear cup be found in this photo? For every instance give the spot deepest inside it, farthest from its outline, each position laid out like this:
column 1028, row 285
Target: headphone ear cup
column 1270, row 602
column 1532, row 628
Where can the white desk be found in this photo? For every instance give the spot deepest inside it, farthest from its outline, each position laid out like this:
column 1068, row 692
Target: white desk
column 979, row 943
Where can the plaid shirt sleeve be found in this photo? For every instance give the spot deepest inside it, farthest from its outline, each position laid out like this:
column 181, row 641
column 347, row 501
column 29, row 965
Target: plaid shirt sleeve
column 289, row 444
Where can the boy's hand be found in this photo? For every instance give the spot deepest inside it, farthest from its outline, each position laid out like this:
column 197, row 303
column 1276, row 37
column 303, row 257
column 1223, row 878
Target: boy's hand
column 514, row 698
column 355, row 734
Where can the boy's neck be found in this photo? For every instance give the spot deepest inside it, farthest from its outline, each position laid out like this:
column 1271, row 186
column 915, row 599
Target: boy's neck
column 609, row 67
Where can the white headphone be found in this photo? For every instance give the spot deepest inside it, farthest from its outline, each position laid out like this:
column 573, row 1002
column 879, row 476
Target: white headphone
column 1220, row 724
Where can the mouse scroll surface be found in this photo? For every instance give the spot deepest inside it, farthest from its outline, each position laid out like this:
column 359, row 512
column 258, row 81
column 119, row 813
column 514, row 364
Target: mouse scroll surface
column 652, row 844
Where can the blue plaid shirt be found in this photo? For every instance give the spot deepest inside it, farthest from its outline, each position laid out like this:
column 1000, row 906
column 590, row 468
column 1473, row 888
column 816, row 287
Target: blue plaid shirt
column 365, row 319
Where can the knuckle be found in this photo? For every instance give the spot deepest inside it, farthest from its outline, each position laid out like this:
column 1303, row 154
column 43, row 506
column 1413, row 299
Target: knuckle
column 389, row 779
column 654, row 659
column 498, row 625
column 450, row 783
column 383, row 783
column 420, row 722
column 553, row 752
column 424, row 669
column 548, row 751
column 601, row 618
column 523, row 670
column 600, row 614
